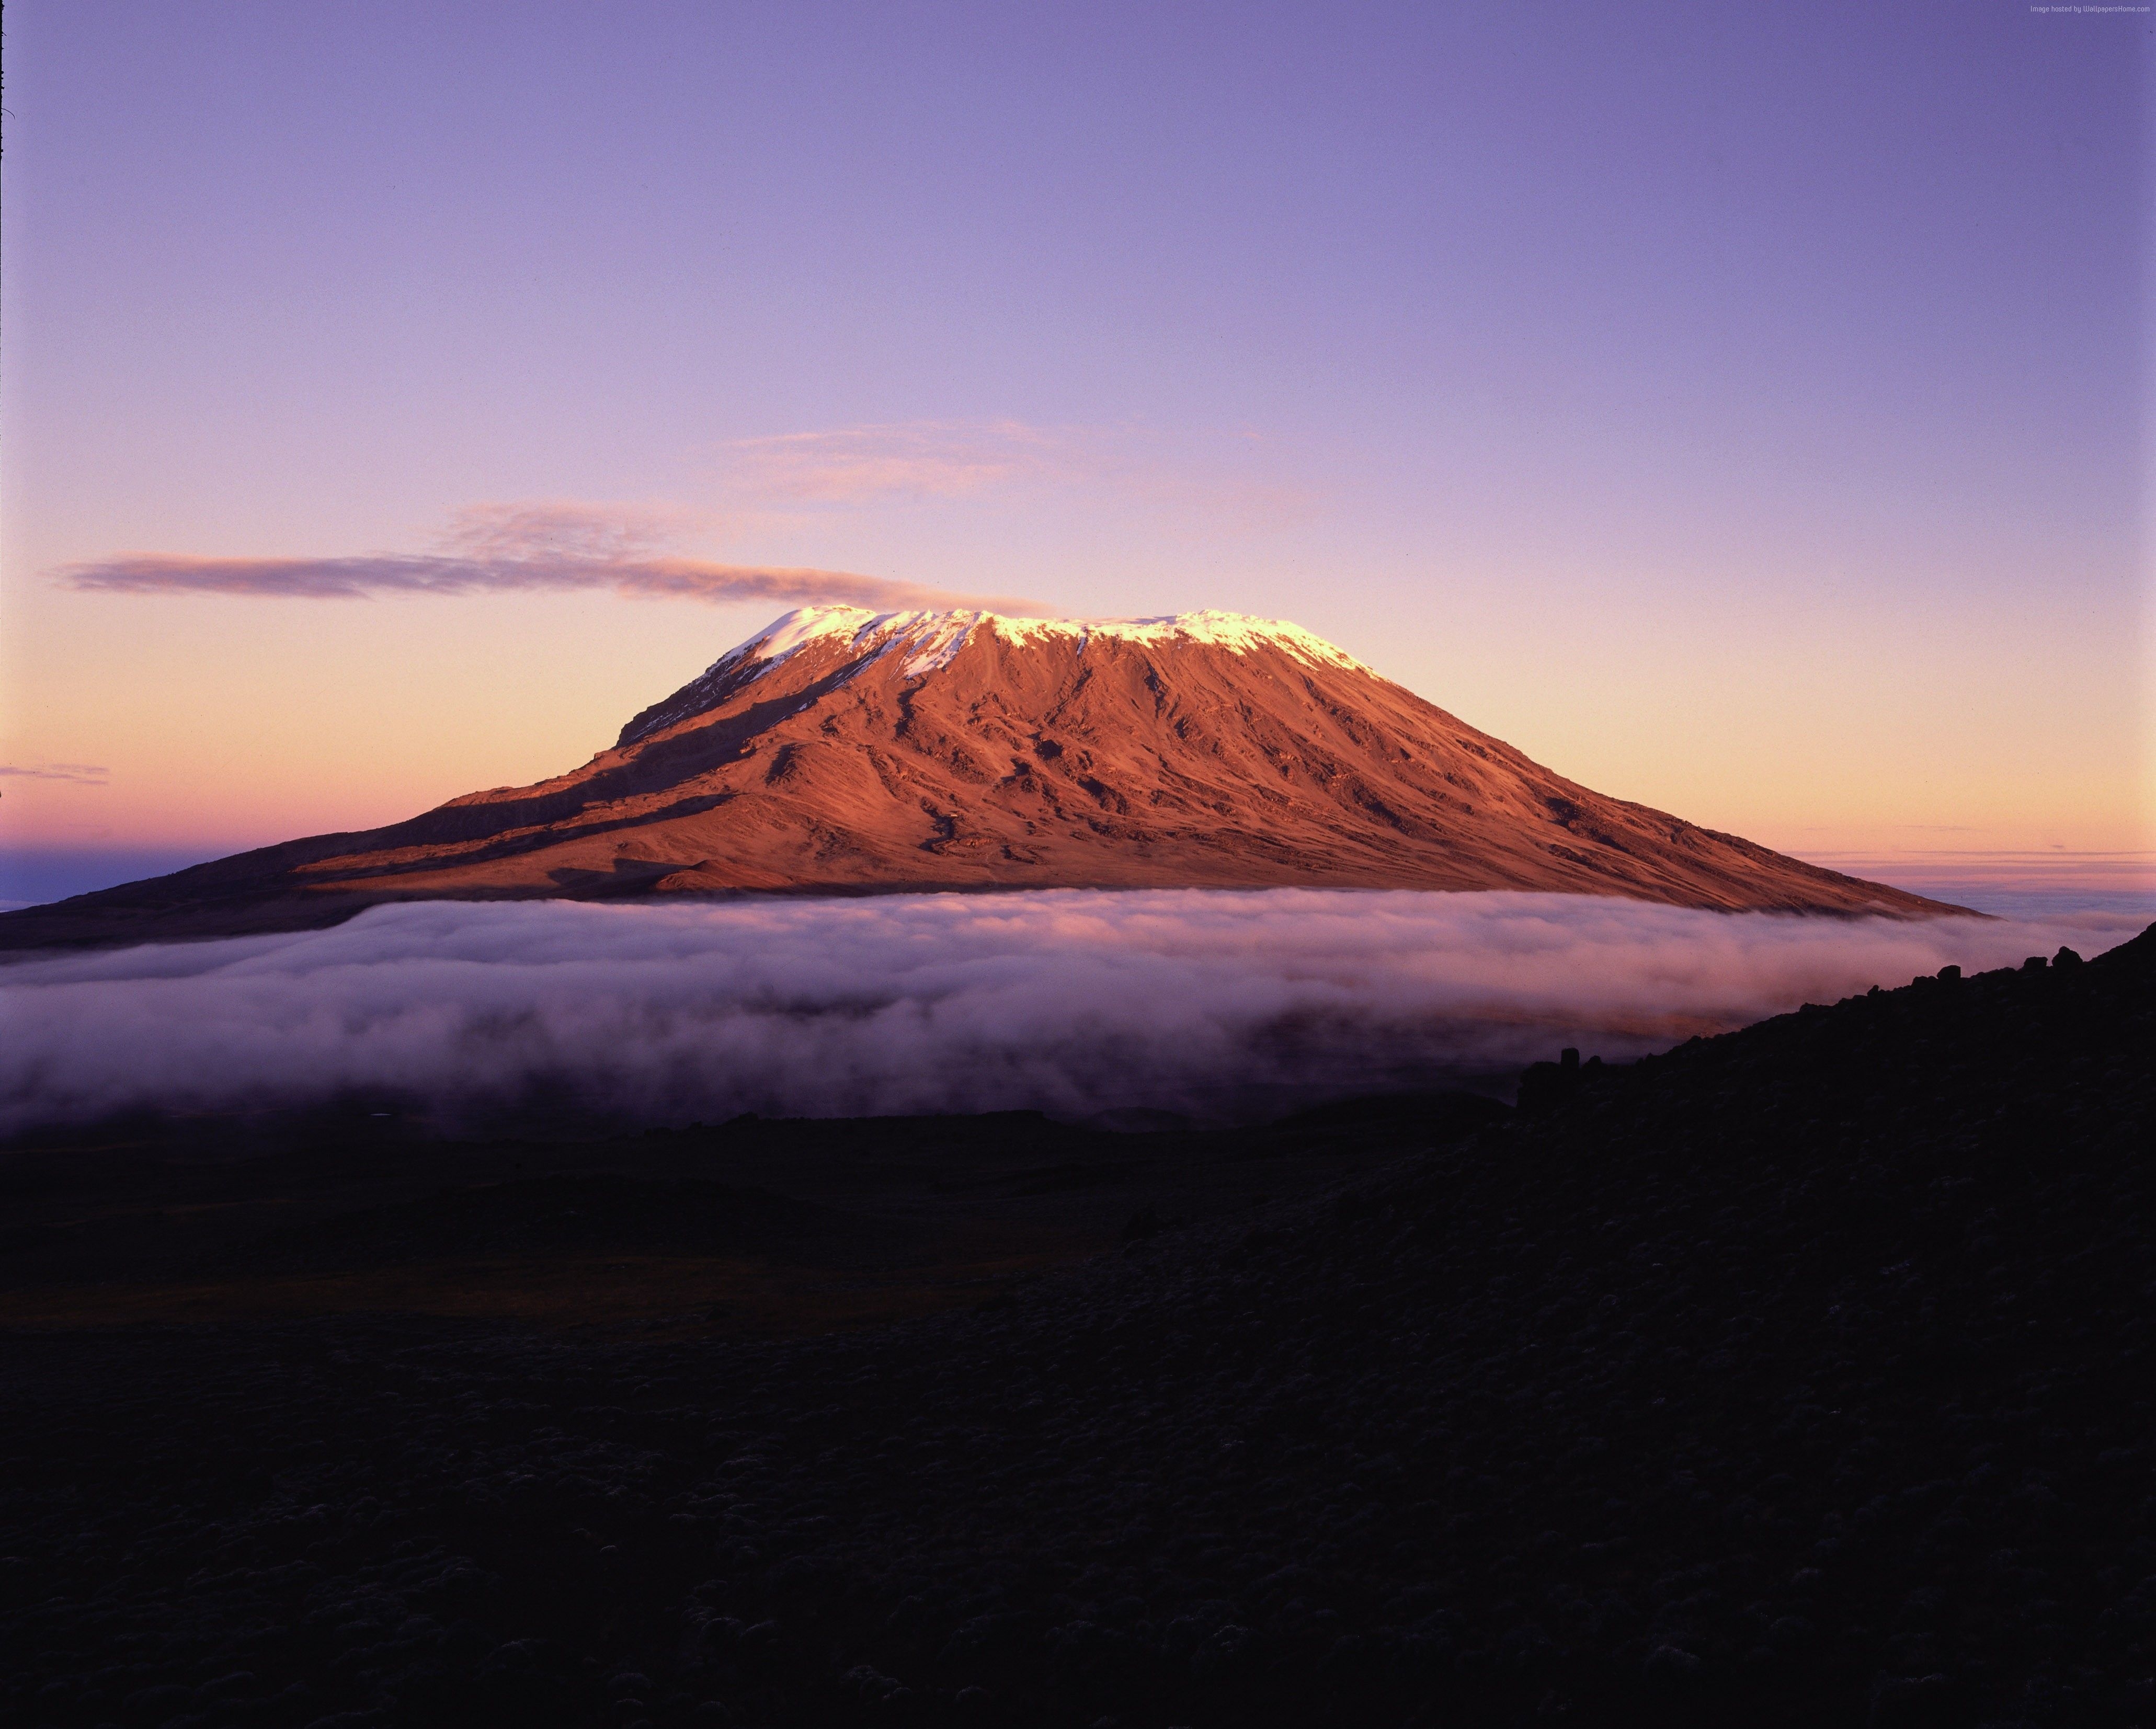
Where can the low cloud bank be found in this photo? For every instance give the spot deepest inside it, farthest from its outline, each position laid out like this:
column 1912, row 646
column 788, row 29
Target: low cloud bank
column 1078, row 1003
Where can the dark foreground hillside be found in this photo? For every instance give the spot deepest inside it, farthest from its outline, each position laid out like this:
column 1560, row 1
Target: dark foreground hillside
column 1799, row 1377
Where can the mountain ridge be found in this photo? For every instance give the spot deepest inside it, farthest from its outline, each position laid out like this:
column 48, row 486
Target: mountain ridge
column 841, row 750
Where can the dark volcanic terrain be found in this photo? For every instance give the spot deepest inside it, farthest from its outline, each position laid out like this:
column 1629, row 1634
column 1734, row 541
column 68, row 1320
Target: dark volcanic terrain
column 1800, row 1376
column 839, row 751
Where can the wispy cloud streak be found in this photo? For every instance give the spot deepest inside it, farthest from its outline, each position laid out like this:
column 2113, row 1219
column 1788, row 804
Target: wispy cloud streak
column 941, row 461
column 916, row 460
column 86, row 774
column 523, row 549
column 1074, row 1002
column 354, row 578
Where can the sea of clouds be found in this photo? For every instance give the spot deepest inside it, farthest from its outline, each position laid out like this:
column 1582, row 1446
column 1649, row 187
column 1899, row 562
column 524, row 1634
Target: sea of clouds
column 1082, row 1003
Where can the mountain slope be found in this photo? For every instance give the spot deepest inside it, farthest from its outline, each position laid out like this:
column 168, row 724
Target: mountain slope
column 841, row 749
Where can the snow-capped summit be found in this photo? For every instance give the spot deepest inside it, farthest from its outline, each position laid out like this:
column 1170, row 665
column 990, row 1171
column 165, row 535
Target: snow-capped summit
column 858, row 625
column 925, row 642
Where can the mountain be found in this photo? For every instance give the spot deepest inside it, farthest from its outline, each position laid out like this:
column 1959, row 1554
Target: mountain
column 842, row 751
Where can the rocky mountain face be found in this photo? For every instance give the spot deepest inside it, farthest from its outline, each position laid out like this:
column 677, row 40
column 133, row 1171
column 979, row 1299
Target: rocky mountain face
column 844, row 751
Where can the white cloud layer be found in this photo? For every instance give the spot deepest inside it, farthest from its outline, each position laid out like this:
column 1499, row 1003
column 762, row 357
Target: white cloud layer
column 1070, row 1001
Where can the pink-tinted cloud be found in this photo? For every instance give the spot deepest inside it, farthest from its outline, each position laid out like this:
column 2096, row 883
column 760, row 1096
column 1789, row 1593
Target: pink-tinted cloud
column 86, row 774
column 570, row 528
column 1074, row 1002
column 525, row 548
column 919, row 461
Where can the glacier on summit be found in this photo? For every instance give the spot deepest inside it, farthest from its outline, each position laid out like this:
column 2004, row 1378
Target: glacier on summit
column 932, row 639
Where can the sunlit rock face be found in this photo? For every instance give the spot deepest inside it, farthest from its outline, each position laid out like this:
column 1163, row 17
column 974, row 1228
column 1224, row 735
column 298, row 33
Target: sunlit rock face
column 841, row 749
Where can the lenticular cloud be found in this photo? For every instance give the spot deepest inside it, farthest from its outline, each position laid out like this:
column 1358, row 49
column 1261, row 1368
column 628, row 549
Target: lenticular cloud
column 1078, row 1003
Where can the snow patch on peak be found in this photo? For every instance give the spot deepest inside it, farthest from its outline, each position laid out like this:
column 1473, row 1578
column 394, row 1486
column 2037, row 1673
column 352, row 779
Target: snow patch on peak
column 805, row 625
column 1240, row 632
column 932, row 638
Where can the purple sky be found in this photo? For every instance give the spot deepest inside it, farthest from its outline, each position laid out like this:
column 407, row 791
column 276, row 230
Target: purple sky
column 1740, row 408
